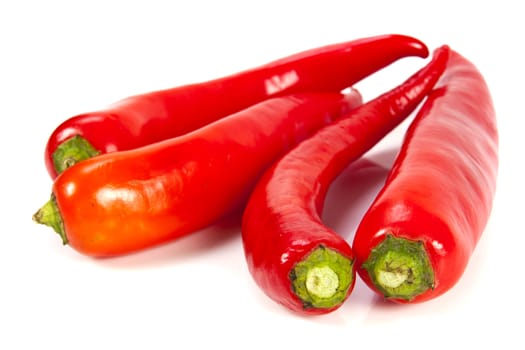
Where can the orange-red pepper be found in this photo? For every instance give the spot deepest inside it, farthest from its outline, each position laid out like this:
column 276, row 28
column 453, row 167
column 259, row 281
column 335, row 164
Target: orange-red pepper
column 121, row 202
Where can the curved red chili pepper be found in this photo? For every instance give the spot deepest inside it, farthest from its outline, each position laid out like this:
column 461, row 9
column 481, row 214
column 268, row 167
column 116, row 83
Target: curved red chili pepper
column 125, row 201
column 416, row 239
column 147, row 118
column 293, row 257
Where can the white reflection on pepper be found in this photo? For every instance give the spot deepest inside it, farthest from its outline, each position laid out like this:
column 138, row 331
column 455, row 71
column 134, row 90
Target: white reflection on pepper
column 107, row 195
column 70, row 188
column 278, row 83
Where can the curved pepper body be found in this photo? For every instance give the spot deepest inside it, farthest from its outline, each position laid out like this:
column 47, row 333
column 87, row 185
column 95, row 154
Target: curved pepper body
column 127, row 201
column 440, row 190
column 143, row 119
column 282, row 222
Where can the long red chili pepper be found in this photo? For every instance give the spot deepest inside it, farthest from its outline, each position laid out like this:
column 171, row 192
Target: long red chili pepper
column 294, row 258
column 143, row 119
column 125, row 201
column 416, row 239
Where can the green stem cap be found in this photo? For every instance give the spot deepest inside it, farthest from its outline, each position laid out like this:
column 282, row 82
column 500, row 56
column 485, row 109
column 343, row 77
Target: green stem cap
column 71, row 152
column 49, row 215
column 400, row 268
column 322, row 279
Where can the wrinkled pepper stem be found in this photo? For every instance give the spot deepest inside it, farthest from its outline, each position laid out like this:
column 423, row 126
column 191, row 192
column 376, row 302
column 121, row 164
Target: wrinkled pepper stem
column 322, row 279
column 71, row 152
column 400, row 268
column 49, row 215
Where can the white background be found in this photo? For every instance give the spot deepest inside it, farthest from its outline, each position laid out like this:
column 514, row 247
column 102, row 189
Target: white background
column 58, row 59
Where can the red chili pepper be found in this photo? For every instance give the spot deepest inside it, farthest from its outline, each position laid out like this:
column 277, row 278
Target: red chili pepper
column 416, row 239
column 125, row 201
column 144, row 119
column 293, row 257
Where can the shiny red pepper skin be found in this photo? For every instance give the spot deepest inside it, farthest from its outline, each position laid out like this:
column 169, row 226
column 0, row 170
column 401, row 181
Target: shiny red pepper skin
column 122, row 202
column 282, row 221
column 143, row 119
column 441, row 187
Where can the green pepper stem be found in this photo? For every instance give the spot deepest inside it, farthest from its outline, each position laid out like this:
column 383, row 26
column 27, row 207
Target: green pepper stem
column 322, row 279
column 71, row 152
column 400, row 268
column 49, row 215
